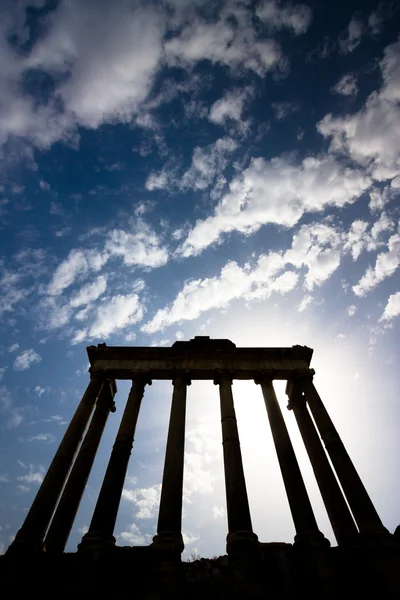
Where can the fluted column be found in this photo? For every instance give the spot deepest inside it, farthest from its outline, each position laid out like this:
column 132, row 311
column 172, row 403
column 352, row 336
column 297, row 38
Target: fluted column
column 67, row 508
column 339, row 514
column 169, row 525
column 33, row 530
column 307, row 531
column 237, row 504
column 105, row 513
column 357, row 496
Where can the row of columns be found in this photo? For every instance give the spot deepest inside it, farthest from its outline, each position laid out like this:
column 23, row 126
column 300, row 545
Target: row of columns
column 99, row 397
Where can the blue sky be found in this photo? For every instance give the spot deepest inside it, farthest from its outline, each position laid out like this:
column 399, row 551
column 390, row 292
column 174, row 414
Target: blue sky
column 171, row 169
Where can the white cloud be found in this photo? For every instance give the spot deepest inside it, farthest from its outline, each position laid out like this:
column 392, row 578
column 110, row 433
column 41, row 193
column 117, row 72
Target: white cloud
column 13, row 347
column 233, row 282
column 158, row 180
column 15, row 419
column 146, row 500
column 55, row 419
column 276, row 191
column 54, row 312
column 5, row 398
column 76, row 265
column 351, row 311
column 107, row 56
column 351, row 38
column 284, row 109
column 371, row 136
column 277, row 15
column 134, row 537
column 79, row 336
column 35, row 474
column 41, row 437
column 360, row 239
column 392, row 308
column 317, row 247
column 235, row 46
column 207, row 162
column 4, row 478
column 385, row 265
column 140, row 246
column 41, row 390
column 116, row 313
column 346, row 86
column 189, row 538
column 218, row 512
column 89, row 292
column 26, row 359
column 230, row 107
column 305, row 302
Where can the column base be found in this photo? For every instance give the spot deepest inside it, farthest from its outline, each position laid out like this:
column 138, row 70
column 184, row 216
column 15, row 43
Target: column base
column 242, row 543
column 311, row 539
column 25, row 545
column 168, row 542
column 377, row 537
column 96, row 541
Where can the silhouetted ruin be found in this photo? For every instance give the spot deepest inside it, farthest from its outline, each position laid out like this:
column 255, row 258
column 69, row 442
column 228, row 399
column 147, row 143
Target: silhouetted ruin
column 364, row 564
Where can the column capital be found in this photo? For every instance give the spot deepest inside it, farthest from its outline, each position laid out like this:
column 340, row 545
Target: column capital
column 142, row 377
column 261, row 377
column 184, row 375
column 220, row 376
column 296, row 397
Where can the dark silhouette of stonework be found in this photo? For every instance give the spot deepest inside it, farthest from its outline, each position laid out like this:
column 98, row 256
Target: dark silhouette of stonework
column 364, row 564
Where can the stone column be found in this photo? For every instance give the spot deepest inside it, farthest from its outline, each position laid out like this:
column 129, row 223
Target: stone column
column 307, row 531
column 33, row 530
column 240, row 530
column 67, row 508
column 169, row 534
column 357, row 496
column 101, row 528
column 339, row 514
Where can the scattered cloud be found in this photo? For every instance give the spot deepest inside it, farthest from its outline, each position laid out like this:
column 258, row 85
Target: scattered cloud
column 351, row 38
column 385, row 265
column 13, row 347
column 224, row 42
column 89, row 292
column 276, row 191
column 207, row 162
column 42, row 437
column 392, row 308
column 116, row 313
column 197, row 296
column 41, row 390
column 15, row 419
column 351, row 311
column 146, row 500
column 305, row 302
column 284, row 109
column 34, row 475
column 371, row 136
column 75, row 266
column 279, row 15
column 26, row 359
column 140, row 246
column 230, row 108
column 134, row 537
column 346, row 86
column 218, row 512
